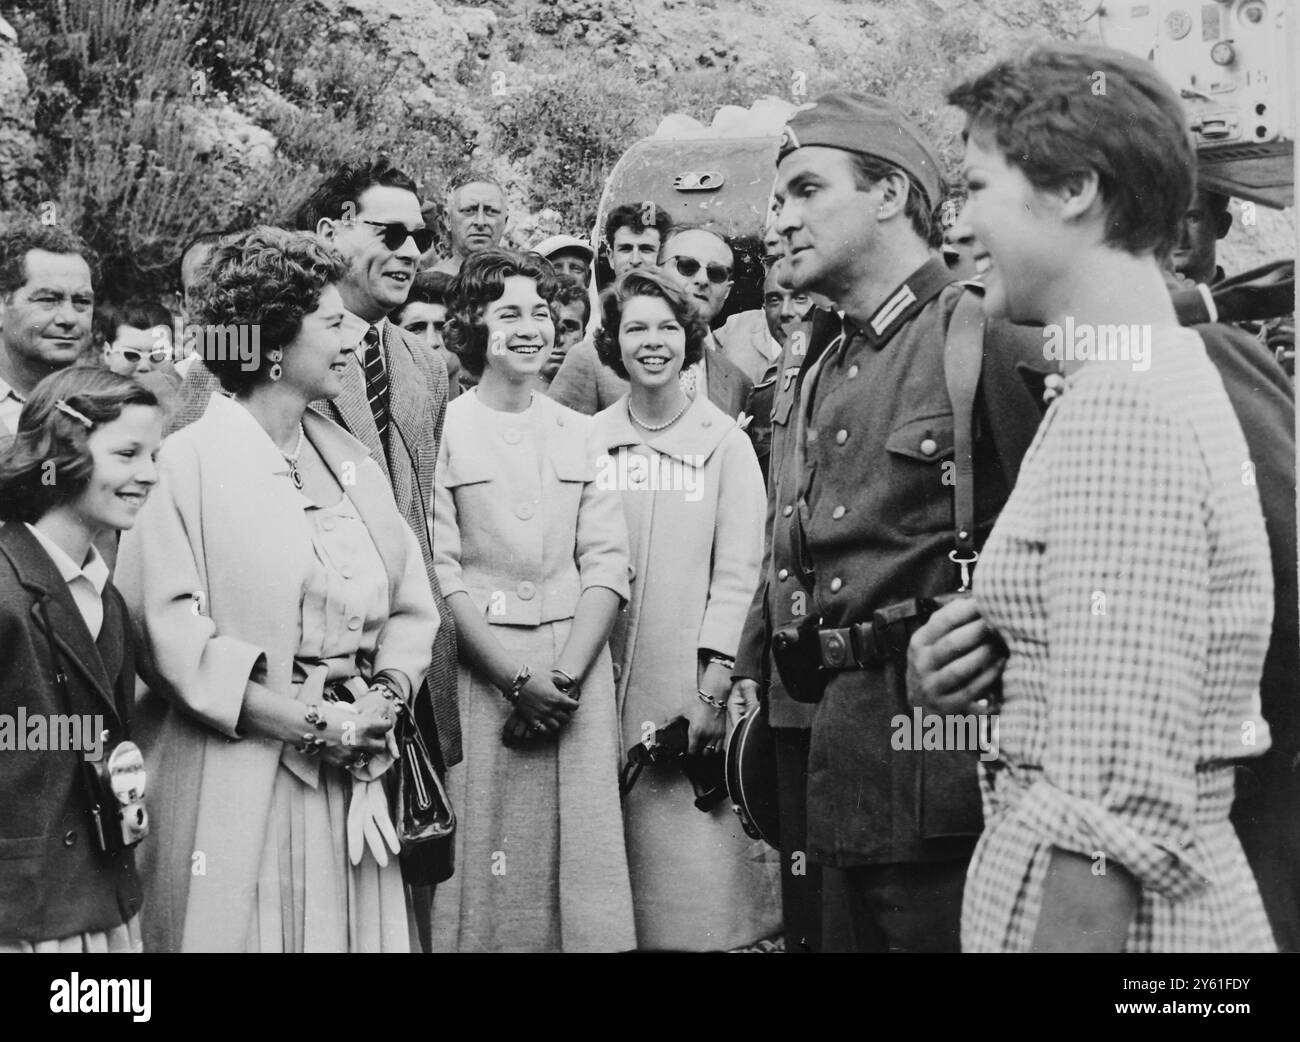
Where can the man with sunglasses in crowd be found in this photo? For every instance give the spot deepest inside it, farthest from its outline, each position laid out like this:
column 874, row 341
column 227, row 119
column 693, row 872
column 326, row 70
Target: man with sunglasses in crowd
column 701, row 262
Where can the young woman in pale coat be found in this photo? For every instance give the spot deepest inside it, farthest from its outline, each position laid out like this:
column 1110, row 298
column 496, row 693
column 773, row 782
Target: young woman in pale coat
column 693, row 497
column 532, row 557
column 270, row 563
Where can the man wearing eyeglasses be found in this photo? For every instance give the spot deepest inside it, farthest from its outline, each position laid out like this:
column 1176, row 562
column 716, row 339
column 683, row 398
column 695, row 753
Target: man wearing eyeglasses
column 701, row 262
column 476, row 220
column 47, row 301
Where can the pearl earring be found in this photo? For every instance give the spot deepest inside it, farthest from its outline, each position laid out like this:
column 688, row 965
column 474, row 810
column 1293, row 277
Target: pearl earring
column 275, row 357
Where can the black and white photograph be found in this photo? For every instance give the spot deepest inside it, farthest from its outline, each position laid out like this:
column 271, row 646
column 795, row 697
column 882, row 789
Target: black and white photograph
column 649, row 476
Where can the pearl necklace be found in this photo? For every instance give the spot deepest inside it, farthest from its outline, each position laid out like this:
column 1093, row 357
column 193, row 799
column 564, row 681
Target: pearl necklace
column 292, row 460
column 656, row 427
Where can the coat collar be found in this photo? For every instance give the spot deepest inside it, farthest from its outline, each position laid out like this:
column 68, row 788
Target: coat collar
column 692, row 439
column 97, row 661
column 922, row 286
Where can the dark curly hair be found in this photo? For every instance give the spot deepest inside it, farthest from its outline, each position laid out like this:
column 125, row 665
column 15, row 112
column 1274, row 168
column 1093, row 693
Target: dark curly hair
column 257, row 286
column 646, row 282
column 19, row 239
column 29, row 486
column 1064, row 109
column 345, row 185
column 482, row 279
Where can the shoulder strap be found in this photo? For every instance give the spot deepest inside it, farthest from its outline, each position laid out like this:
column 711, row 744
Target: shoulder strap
column 963, row 357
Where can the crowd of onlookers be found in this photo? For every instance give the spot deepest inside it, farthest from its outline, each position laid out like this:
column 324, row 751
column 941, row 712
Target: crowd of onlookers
column 572, row 522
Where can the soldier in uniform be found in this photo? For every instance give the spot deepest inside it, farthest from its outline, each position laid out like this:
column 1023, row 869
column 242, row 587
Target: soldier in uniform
column 865, row 519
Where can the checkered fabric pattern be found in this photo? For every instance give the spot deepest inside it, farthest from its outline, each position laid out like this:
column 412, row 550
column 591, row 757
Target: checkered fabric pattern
column 1129, row 575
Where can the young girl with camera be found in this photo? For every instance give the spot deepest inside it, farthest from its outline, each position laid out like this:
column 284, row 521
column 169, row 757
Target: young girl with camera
column 80, row 465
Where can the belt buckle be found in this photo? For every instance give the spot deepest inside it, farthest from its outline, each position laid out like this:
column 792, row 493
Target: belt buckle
column 836, row 652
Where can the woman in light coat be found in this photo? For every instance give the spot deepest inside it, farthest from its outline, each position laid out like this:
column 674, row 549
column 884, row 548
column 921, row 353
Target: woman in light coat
column 269, row 571
column 531, row 555
column 693, row 497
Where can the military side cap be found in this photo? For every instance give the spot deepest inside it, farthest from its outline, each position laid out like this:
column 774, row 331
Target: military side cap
column 867, row 125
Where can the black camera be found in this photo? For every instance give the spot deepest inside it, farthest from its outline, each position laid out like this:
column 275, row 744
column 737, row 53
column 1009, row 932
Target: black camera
column 706, row 772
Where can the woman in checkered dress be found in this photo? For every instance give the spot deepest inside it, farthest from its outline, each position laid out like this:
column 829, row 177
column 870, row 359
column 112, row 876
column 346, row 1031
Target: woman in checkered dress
column 1129, row 572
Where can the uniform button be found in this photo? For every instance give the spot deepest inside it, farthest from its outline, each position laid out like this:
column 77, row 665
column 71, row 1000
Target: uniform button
column 836, row 583
column 631, row 573
column 783, row 574
column 812, row 437
column 853, row 371
column 346, row 571
column 69, row 839
column 513, row 437
column 838, row 513
column 524, row 511
column 559, row 421
column 841, row 437
column 929, row 446
column 327, row 523
column 354, row 623
column 787, row 510
column 706, row 423
column 526, row 590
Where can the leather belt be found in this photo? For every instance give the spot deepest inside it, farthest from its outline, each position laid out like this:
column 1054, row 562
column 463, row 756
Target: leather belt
column 869, row 645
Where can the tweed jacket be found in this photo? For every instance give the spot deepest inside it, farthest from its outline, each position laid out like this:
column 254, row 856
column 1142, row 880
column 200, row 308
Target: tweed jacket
column 587, row 385
column 525, row 542
column 54, row 881
column 417, row 397
column 213, row 573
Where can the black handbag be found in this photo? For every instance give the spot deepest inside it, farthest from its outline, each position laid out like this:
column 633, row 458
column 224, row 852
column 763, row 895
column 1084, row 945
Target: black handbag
column 422, row 812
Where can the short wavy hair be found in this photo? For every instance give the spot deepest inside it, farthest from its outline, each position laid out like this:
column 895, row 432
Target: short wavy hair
column 1064, row 109
column 482, row 279
column 20, row 238
column 263, row 282
column 646, row 282
column 29, row 486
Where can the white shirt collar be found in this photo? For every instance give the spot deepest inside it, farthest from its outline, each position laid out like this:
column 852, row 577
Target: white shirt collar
column 355, row 326
column 94, row 571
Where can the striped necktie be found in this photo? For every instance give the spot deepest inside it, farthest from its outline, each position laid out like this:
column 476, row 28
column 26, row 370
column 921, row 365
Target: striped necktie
column 376, row 383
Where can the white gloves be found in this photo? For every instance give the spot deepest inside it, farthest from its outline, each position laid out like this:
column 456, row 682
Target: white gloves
column 369, row 823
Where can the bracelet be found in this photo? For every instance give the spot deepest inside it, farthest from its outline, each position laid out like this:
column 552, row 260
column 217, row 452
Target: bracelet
column 521, row 678
column 312, row 714
column 724, row 660
column 311, row 744
column 709, row 700
column 389, row 691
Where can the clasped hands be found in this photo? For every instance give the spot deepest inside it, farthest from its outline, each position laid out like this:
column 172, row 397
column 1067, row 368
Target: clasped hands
column 541, row 709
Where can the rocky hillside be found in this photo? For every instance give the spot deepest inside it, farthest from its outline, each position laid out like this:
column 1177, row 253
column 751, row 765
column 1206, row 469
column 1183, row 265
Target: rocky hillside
column 145, row 121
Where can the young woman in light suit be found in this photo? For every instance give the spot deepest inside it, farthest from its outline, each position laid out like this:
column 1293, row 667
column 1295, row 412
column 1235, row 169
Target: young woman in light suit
column 532, row 557
column 271, row 572
column 693, row 497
